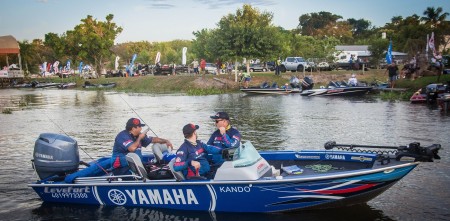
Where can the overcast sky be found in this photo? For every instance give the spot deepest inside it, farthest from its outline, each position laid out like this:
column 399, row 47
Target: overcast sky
column 165, row 20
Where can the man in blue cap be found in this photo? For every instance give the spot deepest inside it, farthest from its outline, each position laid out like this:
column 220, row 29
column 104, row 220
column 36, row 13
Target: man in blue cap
column 191, row 156
column 131, row 140
column 224, row 137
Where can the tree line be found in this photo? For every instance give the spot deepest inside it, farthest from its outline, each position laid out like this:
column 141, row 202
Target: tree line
column 247, row 33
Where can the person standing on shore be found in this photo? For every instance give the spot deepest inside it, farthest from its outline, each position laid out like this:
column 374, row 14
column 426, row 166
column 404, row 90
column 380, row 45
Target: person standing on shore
column 202, row 66
column 195, row 66
column 392, row 69
column 277, row 66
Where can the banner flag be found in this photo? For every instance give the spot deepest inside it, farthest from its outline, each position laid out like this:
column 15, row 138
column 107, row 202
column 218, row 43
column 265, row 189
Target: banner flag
column 389, row 53
column 183, row 59
column 158, row 57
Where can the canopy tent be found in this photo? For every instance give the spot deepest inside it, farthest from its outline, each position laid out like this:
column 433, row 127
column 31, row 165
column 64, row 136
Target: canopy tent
column 9, row 45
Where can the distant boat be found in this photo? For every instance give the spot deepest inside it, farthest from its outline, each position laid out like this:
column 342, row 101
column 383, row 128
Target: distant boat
column 258, row 90
column 419, row 96
column 106, row 85
column 36, row 84
column 67, row 85
column 336, row 89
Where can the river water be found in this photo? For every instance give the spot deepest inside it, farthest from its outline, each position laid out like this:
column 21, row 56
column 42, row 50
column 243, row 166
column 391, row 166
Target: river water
column 291, row 122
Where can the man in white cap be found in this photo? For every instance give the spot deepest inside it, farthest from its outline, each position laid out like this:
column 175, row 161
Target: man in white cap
column 353, row 81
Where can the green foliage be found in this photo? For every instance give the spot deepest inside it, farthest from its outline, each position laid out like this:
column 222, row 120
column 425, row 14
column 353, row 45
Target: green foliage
column 378, row 50
column 7, row 111
column 94, row 40
column 247, row 34
column 310, row 23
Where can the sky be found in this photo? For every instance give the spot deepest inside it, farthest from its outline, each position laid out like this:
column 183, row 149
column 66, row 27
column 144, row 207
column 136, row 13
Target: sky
column 166, row 20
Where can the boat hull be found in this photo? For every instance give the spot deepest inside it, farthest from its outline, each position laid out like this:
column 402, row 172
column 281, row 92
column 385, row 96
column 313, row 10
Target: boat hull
column 342, row 91
column 269, row 90
column 275, row 195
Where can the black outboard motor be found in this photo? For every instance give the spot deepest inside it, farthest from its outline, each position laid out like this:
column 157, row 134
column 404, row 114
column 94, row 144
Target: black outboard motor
column 307, row 83
column 419, row 153
column 55, row 154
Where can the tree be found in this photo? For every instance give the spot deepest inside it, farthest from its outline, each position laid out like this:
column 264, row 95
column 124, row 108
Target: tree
column 309, row 24
column 378, row 50
column 434, row 17
column 26, row 52
column 359, row 27
column 247, row 34
column 95, row 39
column 436, row 20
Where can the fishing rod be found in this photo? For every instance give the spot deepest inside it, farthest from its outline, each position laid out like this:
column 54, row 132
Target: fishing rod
column 414, row 150
column 139, row 117
column 331, row 144
column 60, row 128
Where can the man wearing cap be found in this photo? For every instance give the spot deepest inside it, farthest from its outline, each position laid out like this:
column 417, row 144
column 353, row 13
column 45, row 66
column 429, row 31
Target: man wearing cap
column 131, row 140
column 353, row 81
column 191, row 156
column 225, row 136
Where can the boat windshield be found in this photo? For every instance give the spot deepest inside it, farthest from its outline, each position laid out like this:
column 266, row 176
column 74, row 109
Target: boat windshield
column 245, row 155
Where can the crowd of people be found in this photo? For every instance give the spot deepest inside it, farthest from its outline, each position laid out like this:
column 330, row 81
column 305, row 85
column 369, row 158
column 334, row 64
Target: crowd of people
column 192, row 157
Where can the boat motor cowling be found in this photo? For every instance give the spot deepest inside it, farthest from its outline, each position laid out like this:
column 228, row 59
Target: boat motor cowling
column 55, row 154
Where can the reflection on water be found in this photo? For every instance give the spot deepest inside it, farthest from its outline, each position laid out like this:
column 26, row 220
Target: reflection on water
column 48, row 211
column 271, row 122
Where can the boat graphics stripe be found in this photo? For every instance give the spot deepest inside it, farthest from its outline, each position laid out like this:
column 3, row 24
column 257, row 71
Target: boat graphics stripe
column 323, row 190
column 314, row 196
column 348, row 190
column 212, row 205
column 310, row 199
column 97, row 197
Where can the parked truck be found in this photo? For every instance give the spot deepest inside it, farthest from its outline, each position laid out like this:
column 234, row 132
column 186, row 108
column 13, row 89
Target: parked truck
column 295, row 64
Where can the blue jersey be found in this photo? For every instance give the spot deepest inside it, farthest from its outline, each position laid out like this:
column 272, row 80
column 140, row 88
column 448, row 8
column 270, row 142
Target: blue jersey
column 231, row 139
column 124, row 140
column 189, row 152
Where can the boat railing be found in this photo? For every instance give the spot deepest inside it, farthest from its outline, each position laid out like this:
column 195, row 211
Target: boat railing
column 109, row 179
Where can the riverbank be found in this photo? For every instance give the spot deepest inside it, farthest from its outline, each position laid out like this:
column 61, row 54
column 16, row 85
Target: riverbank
column 218, row 84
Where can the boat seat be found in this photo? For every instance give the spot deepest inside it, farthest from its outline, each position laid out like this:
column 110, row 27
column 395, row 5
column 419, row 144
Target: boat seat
column 177, row 174
column 136, row 166
column 159, row 150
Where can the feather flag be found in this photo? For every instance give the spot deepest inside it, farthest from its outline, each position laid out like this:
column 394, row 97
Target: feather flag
column 389, row 53
column 44, row 68
column 68, row 65
column 80, row 67
column 431, row 44
column 158, row 57
column 131, row 66
column 183, row 58
column 116, row 64
column 55, row 66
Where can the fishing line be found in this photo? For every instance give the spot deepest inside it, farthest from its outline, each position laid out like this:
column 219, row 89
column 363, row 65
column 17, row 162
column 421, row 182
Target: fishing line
column 138, row 115
column 60, row 128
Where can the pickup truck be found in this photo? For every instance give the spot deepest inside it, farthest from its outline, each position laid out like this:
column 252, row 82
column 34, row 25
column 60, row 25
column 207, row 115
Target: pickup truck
column 295, row 64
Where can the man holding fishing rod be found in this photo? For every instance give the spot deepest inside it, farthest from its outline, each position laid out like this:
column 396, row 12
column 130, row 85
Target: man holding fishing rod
column 131, row 140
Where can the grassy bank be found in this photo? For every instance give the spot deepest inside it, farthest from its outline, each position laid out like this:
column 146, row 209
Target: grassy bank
column 212, row 84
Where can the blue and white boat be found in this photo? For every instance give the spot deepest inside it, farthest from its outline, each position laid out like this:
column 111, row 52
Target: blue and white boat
column 337, row 89
column 248, row 181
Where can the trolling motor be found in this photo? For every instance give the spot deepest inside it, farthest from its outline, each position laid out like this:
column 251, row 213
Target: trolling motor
column 413, row 150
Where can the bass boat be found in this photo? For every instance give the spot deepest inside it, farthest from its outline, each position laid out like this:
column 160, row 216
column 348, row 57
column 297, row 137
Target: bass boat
column 248, row 180
column 337, row 89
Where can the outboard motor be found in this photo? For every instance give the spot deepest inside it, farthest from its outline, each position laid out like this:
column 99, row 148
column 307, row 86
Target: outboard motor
column 55, row 154
column 307, row 83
